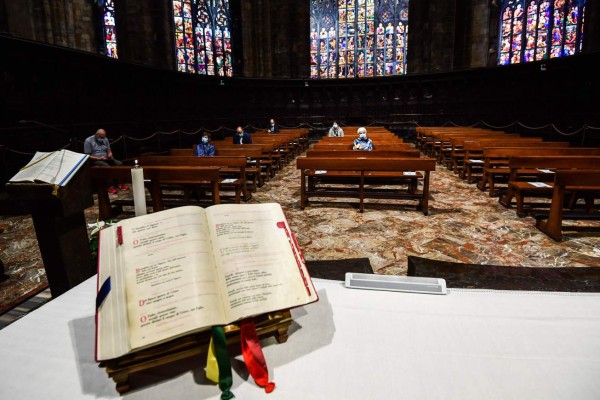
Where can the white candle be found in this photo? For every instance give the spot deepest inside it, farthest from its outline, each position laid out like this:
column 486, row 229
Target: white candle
column 139, row 193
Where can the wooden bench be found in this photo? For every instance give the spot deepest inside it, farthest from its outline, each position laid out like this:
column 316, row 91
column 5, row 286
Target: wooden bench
column 359, row 172
column 573, row 180
column 376, row 146
column 448, row 144
column 232, row 170
column 495, row 159
column 533, row 176
column 254, row 178
column 157, row 176
column 472, row 154
column 438, row 140
column 364, row 154
column 269, row 162
column 426, row 135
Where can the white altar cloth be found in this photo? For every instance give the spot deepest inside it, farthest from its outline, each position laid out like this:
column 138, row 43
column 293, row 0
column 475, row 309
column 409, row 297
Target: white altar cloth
column 352, row 344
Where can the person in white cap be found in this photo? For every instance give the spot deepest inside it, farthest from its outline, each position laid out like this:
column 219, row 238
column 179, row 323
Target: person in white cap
column 362, row 142
column 336, row 131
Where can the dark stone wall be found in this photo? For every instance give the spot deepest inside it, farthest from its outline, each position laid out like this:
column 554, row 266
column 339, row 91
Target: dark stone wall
column 57, row 86
column 275, row 38
column 52, row 96
column 145, row 32
column 592, row 27
column 68, row 23
column 432, row 35
column 270, row 37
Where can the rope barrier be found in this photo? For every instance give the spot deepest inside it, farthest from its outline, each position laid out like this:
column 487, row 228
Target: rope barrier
column 498, row 127
column 568, row 134
column 311, row 126
column 533, row 127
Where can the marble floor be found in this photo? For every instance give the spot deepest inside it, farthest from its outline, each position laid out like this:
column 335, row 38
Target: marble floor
column 464, row 225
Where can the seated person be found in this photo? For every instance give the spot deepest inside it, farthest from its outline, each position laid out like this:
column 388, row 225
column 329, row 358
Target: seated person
column 362, row 142
column 98, row 148
column 335, row 131
column 241, row 137
column 205, row 148
column 273, row 127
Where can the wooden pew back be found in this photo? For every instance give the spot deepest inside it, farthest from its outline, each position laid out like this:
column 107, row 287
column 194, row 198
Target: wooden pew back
column 363, row 154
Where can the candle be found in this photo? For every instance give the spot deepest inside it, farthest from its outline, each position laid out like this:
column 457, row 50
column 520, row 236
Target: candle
column 139, row 193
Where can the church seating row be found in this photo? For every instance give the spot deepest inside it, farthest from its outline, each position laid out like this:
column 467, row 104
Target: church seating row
column 431, row 138
column 469, row 164
column 547, row 173
column 156, row 177
column 232, row 171
column 586, row 182
column 235, row 166
column 533, row 177
column 496, row 170
column 364, row 175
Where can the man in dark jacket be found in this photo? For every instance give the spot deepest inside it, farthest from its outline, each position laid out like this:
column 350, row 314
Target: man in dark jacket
column 241, row 137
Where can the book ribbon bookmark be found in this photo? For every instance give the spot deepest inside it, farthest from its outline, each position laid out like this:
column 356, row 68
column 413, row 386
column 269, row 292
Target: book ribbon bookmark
column 253, row 355
column 218, row 366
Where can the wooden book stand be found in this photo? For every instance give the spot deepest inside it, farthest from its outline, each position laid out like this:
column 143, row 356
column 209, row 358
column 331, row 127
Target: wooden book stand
column 168, row 359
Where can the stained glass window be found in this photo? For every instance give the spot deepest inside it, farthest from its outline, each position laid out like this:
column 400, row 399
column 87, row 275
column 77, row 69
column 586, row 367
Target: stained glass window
column 358, row 38
column 540, row 29
column 110, row 29
column 203, row 36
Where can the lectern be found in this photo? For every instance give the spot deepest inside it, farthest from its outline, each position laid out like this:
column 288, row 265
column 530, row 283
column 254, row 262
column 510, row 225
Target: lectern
column 60, row 227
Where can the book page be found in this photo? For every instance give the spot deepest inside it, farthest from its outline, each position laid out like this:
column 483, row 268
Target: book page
column 38, row 163
column 112, row 328
column 56, row 168
column 169, row 270
column 260, row 266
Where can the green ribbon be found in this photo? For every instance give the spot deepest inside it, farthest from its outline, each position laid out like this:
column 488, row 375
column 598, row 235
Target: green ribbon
column 225, row 375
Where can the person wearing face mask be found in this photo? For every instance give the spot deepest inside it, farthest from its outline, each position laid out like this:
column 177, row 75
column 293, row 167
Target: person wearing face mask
column 363, row 142
column 335, row 131
column 273, row 127
column 98, row 148
column 241, row 137
column 205, row 148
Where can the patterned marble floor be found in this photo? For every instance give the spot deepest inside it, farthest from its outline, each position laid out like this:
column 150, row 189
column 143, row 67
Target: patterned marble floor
column 463, row 225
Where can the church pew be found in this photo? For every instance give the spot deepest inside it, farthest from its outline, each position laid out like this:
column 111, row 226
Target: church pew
column 376, row 147
column 495, row 162
column 157, row 176
column 442, row 149
column 302, row 135
column 389, row 172
column 287, row 143
column 253, row 155
column 587, row 181
column 472, row 157
column 434, row 139
column 409, row 153
column 387, row 135
column 269, row 161
column 229, row 166
column 526, row 173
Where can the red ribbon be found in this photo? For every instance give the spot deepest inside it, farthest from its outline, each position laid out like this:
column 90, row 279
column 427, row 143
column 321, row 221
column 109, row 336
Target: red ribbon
column 253, row 355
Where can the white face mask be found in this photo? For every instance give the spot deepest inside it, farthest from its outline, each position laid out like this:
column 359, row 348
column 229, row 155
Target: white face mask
column 335, row 126
column 205, row 140
column 362, row 136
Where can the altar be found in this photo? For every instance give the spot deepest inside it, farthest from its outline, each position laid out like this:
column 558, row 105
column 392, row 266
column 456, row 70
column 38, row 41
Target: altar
column 351, row 344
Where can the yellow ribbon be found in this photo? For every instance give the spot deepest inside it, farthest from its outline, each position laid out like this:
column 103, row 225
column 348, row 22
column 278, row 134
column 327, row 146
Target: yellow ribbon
column 212, row 367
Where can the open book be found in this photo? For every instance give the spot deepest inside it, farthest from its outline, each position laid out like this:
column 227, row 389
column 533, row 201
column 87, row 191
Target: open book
column 57, row 167
column 185, row 269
